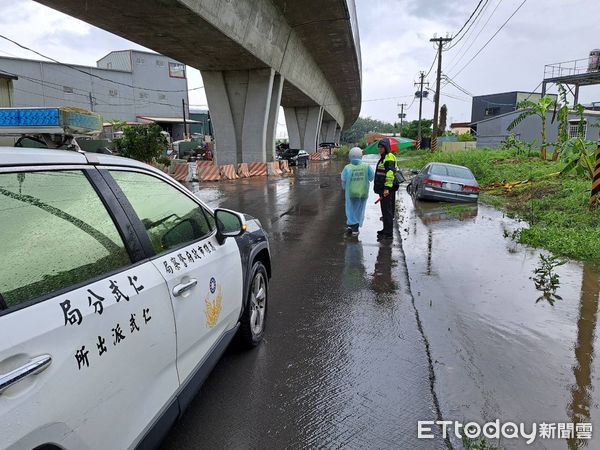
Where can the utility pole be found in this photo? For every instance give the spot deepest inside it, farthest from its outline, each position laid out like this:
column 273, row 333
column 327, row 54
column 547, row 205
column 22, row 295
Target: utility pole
column 401, row 115
column 184, row 121
column 440, row 45
column 420, row 91
column 91, row 102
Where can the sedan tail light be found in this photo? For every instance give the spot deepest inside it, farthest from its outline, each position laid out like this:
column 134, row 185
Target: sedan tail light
column 470, row 188
column 431, row 182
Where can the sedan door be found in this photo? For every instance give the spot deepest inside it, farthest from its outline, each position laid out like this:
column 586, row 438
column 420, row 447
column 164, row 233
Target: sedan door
column 204, row 277
column 87, row 355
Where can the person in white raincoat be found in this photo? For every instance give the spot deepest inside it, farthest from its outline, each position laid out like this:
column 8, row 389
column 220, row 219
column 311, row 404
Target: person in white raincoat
column 356, row 177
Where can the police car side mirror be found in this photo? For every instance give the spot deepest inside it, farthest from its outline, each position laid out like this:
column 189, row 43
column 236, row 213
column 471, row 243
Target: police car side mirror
column 414, row 171
column 229, row 224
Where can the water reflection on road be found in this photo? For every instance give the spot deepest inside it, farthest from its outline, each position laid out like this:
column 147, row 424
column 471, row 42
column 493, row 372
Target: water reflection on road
column 581, row 391
column 498, row 354
column 343, row 364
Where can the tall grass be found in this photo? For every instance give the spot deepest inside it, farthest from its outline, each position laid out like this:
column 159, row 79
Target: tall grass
column 555, row 208
column 490, row 166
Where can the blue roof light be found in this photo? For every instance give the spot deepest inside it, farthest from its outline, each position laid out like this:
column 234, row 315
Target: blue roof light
column 69, row 119
column 29, row 117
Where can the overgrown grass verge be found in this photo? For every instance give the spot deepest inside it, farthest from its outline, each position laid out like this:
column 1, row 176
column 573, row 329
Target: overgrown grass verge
column 556, row 208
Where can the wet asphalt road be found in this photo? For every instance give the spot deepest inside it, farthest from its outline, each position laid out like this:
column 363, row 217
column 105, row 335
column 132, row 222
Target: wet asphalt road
column 356, row 329
column 343, row 363
column 499, row 351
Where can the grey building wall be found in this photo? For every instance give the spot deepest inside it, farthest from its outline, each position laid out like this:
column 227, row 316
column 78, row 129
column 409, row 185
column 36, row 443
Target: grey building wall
column 157, row 72
column 48, row 84
column 502, row 103
column 117, row 60
column 491, row 132
column 492, row 105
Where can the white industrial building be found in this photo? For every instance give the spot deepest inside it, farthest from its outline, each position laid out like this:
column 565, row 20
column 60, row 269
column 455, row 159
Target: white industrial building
column 127, row 85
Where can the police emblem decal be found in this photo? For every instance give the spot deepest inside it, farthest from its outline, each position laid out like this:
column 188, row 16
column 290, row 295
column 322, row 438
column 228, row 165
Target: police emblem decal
column 213, row 308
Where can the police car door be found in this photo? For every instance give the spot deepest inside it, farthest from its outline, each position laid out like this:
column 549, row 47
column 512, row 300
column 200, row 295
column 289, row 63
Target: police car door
column 88, row 349
column 203, row 277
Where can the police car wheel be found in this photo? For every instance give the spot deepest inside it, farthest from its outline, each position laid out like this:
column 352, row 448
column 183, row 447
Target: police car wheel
column 254, row 318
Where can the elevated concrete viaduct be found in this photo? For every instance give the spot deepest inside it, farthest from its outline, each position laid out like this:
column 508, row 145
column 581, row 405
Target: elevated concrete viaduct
column 254, row 55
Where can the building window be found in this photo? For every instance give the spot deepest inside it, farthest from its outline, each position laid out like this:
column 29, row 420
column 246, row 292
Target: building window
column 143, row 95
column 139, row 60
column 113, row 92
column 492, row 111
column 67, row 89
column 574, row 126
column 176, row 70
column 109, row 65
column 162, row 97
column 160, row 63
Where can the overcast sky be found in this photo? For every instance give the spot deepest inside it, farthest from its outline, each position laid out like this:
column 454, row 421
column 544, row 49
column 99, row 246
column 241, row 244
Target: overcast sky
column 395, row 47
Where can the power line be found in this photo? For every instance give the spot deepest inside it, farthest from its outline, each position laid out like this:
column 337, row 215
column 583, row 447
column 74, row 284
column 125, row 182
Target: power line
column 455, row 43
column 533, row 91
column 85, row 93
column 432, row 64
column 77, row 69
column 490, row 39
column 469, row 19
column 463, row 54
column 450, row 96
column 385, row 98
column 86, row 103
column 457, row 86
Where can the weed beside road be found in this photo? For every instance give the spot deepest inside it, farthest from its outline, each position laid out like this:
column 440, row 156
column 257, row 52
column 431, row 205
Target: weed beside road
column 556, row 207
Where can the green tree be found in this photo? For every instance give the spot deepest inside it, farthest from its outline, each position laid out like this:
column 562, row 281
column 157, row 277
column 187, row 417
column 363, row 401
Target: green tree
column 539, row 109
column 411, row 129
column 118, row 125
column 362, row 126
column 142, row 142
column 465, row 137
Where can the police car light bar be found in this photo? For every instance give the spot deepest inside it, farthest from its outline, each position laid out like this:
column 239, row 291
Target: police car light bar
column 49, row 120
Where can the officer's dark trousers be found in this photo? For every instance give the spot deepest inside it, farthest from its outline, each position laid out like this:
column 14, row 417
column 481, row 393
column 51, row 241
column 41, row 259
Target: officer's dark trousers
column 388, row 209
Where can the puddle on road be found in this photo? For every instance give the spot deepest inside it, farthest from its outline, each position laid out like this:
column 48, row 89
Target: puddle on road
column 497, row 353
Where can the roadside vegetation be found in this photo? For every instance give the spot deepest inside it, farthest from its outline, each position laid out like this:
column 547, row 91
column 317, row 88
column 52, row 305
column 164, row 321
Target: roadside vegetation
column 142, row 142
column 555, row 206
column 553, row 195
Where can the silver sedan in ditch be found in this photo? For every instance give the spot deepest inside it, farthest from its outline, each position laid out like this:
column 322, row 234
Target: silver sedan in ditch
column 444, row 182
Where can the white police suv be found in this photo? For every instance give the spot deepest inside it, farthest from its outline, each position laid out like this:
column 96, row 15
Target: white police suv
column 119, row 290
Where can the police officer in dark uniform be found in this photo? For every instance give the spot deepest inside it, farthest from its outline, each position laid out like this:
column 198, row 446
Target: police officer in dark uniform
column 384, row 186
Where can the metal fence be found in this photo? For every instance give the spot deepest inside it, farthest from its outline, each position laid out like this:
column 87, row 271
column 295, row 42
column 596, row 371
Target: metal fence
column 569, row 68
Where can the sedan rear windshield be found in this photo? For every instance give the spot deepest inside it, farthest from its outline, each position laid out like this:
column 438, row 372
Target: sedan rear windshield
column 451, row 171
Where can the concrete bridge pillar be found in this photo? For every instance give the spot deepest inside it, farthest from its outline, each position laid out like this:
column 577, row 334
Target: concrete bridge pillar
column 273, row 115
column 338, row 134
column 241, row 109
column 328, row 130
column 304, row 126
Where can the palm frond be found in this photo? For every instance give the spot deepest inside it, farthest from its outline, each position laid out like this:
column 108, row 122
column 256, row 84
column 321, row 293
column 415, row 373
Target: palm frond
column 520, row 118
